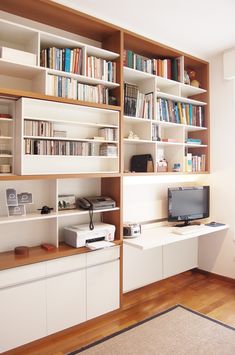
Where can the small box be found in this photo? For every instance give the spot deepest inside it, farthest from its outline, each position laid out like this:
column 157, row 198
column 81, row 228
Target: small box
column 162, row 166
column 18, row 56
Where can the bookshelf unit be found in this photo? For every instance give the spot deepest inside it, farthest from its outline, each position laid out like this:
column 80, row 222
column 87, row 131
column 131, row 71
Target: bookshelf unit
column 174, row 138
column 48, row 110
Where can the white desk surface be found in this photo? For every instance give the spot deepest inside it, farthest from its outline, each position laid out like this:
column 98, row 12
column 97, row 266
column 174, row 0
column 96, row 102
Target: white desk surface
column 156, row 236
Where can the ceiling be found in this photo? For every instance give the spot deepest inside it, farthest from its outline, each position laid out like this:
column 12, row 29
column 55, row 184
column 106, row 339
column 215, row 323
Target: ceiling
column 202, row 28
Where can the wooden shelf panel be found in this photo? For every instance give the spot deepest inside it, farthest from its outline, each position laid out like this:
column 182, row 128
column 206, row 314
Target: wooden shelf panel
column 37, row 254
column 16, row 94
column 59, row 176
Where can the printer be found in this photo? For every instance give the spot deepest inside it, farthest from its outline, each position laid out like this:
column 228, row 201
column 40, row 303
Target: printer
column 79, row 235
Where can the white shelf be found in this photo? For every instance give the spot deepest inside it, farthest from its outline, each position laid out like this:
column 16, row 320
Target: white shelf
column 191, row 145
column 83, row 78
column 135, row 76
column 78, row 212
column 169, row 143
column 67, row 122
column 19, row 70
column 136, row 119
column 180, row 99
column 72, row 156
column 29, row 217
column 6, row 156
column 5, row 119
column 51, row 40
column 6, row 137
column 137, row 141
column 172, row 124
column 69, row 139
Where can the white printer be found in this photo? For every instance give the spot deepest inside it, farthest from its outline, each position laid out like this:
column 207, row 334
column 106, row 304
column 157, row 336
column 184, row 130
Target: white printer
column 78, row 236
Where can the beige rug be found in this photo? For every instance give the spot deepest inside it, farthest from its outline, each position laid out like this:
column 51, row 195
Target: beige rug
column 177, row 331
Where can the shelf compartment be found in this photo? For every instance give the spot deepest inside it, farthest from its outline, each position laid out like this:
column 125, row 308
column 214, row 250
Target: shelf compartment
column 180, row 99
column 83, row 79
column 13, row 69
column 76, row 212
column 136, row 120
column 186, row 127
column 70, row 139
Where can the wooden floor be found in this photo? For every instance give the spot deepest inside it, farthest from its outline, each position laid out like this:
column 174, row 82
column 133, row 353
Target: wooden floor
column 204, row 293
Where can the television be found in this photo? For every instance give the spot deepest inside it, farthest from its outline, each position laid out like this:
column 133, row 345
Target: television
column 188, row 204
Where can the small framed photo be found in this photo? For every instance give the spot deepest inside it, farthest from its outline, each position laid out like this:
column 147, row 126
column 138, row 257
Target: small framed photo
column 66, row 202
column 11, row 197
column 16, row 210
column 25, row 198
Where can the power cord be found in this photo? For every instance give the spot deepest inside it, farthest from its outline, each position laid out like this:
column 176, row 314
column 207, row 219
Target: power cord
column 91, row 224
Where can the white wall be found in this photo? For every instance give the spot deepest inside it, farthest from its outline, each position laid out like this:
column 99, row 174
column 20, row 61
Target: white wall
column 217, row 252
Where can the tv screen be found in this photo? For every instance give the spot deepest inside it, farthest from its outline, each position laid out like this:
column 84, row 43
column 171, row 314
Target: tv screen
column 188, row 203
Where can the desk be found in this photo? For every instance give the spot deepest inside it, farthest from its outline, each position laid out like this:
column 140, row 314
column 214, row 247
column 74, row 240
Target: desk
column 158, row 253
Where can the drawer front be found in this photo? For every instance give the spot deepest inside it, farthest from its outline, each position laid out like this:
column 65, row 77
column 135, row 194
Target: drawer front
column 65, row 264
column 22, row 274
column 103, row 256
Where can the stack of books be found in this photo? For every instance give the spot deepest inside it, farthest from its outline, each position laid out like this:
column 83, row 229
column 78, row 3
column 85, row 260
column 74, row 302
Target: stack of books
column 137, row 104
column 38, row 128
column 170, row 68
column 64, row 59
column 109, row 134
column 99, row 68
column 57, row 147
column 70, row 88
column 180, row 112
column 195, row 163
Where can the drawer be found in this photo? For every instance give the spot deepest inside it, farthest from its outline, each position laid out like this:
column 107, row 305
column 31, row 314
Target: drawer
column 22, row 274
column 65, row 264
column 103, row 255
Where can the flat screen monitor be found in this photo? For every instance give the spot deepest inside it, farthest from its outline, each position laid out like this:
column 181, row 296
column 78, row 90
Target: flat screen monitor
column 188, row 203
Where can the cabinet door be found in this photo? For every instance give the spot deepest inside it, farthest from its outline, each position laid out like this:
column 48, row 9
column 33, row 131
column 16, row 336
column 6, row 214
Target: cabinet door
column 66, row 300
column 141, row 267
column 179, row 257
column 103, row 288
column 22, row 314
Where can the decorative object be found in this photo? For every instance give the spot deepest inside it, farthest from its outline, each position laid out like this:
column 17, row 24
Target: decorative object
column 132, row 135
column 162, row 166
column 193, row 81
column 66, row 202
column 21, row 250
column 186, row 78
column 45, row 209
column 176, row 167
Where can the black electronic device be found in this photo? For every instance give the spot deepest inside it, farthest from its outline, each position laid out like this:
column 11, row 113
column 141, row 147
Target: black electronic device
column 188, row 204
column 96, row 202
column 142, row 163
column 45, row 209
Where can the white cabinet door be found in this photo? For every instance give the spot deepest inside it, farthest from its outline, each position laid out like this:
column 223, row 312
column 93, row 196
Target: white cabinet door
column 179, row 257
column 66, row 300
column 141, row 267
column 103, row 288
column 22, row 314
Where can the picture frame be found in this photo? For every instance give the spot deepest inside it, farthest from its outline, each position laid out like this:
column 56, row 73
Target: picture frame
column 66, row 202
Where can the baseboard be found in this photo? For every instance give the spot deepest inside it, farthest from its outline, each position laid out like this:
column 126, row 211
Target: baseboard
column 220, row 277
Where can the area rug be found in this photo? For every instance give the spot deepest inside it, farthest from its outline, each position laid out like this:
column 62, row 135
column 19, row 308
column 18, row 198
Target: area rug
column 176, row 331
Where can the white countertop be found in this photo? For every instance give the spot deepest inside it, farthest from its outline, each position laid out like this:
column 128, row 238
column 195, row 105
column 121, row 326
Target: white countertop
column 153, row 236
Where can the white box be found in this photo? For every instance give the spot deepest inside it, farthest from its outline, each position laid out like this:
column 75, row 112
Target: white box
column 15, row 55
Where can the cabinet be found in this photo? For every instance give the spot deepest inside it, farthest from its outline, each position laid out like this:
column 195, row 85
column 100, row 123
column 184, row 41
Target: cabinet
column 57, row 294
column 22, row 306
column 141, row 267
column 103, row 282
column 66, row 292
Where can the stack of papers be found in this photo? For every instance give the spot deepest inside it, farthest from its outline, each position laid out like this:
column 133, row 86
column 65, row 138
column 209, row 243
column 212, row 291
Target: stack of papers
column 99, row 245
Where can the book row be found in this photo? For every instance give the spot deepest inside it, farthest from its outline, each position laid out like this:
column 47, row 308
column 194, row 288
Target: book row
column 64, row 59
column 137, row 104
column 109, row 134
column 50, row 147
column 170, row 68
column 179, row 112
column 70, row 88
column 99, row 68
column 38, row 128
column 195, row 163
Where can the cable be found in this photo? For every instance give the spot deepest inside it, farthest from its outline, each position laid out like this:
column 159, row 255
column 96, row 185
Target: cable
column 91, row 224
